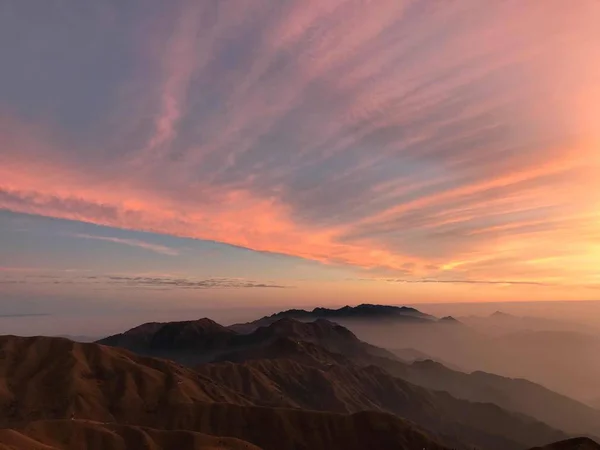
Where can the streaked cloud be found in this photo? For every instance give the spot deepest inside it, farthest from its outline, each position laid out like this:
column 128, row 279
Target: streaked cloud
column 183, row 283
column 436, row 141
column 492, row 282
column 157, row 248
column 138, row 281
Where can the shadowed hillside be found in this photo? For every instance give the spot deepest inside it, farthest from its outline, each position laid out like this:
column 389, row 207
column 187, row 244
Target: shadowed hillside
column 203, row 340
column 88, row 435
column 270, row 429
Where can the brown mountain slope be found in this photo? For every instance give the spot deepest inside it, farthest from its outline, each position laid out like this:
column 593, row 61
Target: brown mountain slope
column 283, row 429
column 88, row 435
column 350, row 388
column 53, row 377
column 300, row 341
column 273, row 429
column 49, row 378
column 286, row 348
column 14, row 440
column 572, row 444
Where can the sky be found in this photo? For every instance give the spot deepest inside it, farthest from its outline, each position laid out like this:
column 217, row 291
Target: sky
column 170, row 156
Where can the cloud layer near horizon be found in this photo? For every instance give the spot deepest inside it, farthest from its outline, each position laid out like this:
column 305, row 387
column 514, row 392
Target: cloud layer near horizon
column 454, row 141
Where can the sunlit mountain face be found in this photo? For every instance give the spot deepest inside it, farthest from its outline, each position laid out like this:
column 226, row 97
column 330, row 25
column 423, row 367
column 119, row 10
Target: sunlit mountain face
column 190, row 154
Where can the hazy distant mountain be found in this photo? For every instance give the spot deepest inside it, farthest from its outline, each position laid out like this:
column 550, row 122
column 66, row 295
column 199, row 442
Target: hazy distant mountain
column 517, row 395
column 410, row 355
column 563, row 361
column 347, row 313
column 449, row 319
column 502, row 323
column 572, row 444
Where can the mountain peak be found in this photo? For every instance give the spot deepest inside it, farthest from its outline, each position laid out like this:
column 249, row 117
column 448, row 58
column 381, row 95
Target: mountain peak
column 449, row 319
column 184, row 334
column 362, row 311
column 320, row 328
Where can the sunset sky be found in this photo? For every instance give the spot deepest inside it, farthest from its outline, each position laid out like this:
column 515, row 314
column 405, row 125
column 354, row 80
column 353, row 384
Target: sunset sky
column 183, row 154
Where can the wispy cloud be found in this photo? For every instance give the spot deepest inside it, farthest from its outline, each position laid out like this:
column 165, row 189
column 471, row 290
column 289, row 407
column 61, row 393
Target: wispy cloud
column 138, row 281
column 157, row 248
column 185, row 283
column 491, row 282
column 440, row 141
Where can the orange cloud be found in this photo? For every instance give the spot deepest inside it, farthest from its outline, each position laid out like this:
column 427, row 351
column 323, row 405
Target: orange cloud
column 457, row 142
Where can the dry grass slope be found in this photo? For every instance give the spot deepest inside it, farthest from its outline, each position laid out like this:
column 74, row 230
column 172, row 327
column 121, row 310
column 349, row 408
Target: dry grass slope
column 44, row 379
column 88, row 435
column 51, row 378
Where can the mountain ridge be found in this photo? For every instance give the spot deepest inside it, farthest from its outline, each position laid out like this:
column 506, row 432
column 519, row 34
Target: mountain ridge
column 50, row 378
column 364, row 311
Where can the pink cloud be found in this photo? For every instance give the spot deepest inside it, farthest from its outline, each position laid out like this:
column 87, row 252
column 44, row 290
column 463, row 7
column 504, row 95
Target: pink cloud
column 379, row 137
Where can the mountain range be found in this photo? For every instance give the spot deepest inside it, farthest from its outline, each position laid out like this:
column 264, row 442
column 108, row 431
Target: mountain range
column 276, row 383
column 387, row 313
column 560, row 359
